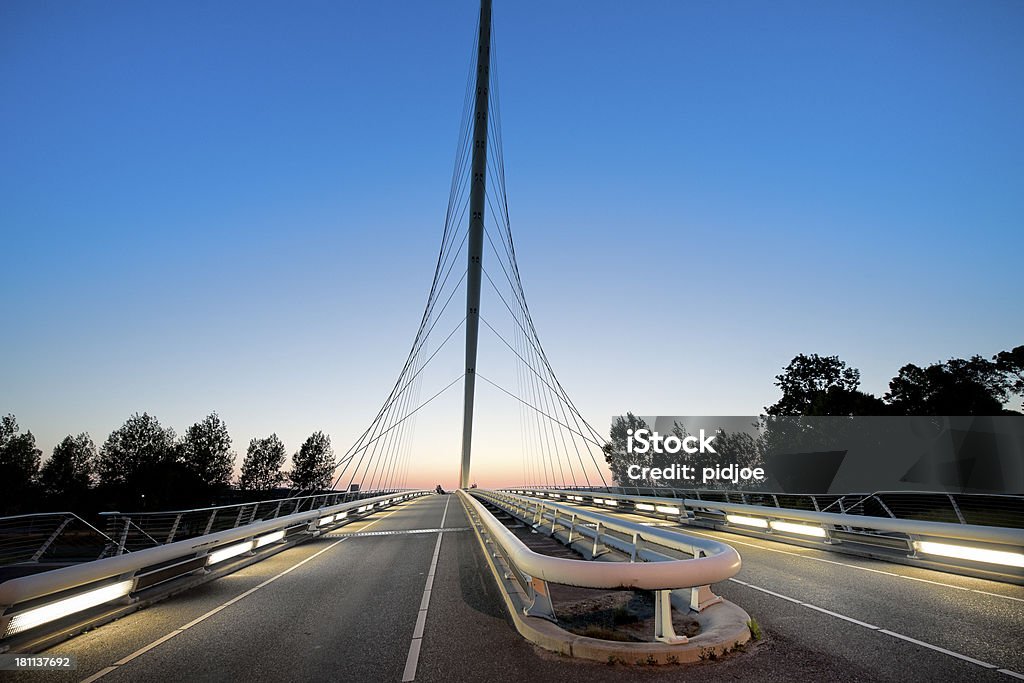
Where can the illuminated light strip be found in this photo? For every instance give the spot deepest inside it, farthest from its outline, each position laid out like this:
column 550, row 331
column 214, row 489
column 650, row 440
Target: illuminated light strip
column 362, row 509
column 341, row 515
column 667, row 509
column 747, row 521
column 229, row 552
column 804, row 529
column 963, row 552
column 599, row 501
column 556, row 495
column 645, row 507
column 323, row 521
column 44, row 614
column 269, row 538
column 611, row 502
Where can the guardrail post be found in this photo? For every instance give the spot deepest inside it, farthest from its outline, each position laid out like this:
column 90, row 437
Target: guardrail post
column 572, row 527
column 636, row 547
column 664, row 631
column 701, row 598
column 597, row 541
column 540, row 605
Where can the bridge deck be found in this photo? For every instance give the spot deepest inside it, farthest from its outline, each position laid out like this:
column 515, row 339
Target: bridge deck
column 345, row 607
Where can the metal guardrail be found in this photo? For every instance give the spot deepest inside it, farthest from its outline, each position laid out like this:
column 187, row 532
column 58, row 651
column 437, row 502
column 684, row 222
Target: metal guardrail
column 710, row 561
column 137, row 530
column 991, row 550
column 30, row 602
column 50, row 537
column 984, row 509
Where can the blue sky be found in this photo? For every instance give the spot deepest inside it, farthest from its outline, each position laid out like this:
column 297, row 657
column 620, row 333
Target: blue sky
column 236, row 206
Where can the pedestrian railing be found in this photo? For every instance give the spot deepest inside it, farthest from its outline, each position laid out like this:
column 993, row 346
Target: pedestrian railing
column 137, row 530
column 50, row 538
column 57, row 598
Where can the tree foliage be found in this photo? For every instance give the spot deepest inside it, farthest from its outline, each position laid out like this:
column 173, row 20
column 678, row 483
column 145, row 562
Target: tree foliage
column 616, row 455
column 313, row 465
column 822, row 385
column 261, row 469
column 975, row 386
column 135, row 450
column 205, row 451
column 69, row 469
column 19, row 464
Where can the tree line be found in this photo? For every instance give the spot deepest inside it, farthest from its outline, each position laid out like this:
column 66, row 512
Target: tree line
column 814, row 385
column 144, row 465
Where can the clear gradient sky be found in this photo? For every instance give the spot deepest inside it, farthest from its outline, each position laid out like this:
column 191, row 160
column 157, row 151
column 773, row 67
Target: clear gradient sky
column 235, row 206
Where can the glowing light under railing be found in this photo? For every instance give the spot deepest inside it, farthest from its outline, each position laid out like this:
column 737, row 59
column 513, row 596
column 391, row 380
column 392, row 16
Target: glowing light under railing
column 230, row 551
column 341, row 515
column 804, row 529
column 747, row 521
column 611, row 503
column 667, row 509
column 44, row 614
column 362, row 509
column 599, row 501
column 556, row 495
column 963, row 552
column 269, row 538
column 646, row 507
column 324, row 521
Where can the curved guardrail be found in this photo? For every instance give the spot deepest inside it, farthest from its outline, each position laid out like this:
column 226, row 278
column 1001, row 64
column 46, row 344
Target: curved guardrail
column 710, row 562
column 995, row 552
column 30, row 602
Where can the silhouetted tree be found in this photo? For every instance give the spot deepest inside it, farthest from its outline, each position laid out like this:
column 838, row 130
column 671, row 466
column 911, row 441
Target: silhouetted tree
column 313, row 465
column 823, row 385
column 1011, row 364
column 19, row 465
column 731, row 448
column 616, row 455
column 134, row 449
column 975, row 386
column 68, row 472
column 261, row 469
column 205, row 451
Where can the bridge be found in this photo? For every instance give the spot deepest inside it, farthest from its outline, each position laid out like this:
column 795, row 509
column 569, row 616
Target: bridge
column 374, row 581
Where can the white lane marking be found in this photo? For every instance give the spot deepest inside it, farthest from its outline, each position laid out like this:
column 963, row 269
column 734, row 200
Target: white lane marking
column 400, row 532
column 887, row 632
column 163, row 639
column 413, row 658
column 729, row 539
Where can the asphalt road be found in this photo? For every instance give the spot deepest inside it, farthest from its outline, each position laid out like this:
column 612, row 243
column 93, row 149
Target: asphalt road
column 346, row 608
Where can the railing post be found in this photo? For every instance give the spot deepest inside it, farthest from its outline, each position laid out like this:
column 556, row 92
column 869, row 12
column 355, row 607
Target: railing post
column 664, row 631
column 124, row 535
column 56, row 532
column 540, row 605
column 174, row 528
column 209, row 524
